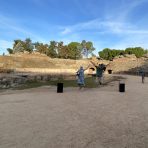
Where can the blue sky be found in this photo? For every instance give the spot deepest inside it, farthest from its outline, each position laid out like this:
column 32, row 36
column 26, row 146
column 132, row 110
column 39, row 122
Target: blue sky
column 107, row 23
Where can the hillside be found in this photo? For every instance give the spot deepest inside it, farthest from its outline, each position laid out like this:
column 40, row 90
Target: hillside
column 33, row 61
column 128, row 64
column 42, row 63
column 37, row 63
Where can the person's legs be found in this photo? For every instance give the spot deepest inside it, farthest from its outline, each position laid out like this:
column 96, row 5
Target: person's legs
column 97, row 80
column 142, row 79
column 81, row 82
column 100, row 80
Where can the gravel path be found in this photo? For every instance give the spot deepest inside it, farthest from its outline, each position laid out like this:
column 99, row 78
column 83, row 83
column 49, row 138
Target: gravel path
column 89, row 118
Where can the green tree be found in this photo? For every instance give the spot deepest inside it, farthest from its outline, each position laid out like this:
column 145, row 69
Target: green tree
column 146, row 51
column 115, row 53
column 88, row 46
column 129, row 50
column 10, row 51
column 36, row 44
column 74, row 50
column 62, row 51
column 28, row 46
column 105, row 54
column 21, row 46
column 109, row 54
column 138, row 51
column 16, row 42
column 18, row 46
column 52, row 51
column 42, row 48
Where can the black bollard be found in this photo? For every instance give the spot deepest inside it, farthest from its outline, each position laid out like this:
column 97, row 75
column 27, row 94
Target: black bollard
column 121, row 87
column 59, row 87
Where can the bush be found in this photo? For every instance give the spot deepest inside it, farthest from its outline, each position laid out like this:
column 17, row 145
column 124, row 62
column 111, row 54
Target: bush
column 138, row 51
column 109, row 54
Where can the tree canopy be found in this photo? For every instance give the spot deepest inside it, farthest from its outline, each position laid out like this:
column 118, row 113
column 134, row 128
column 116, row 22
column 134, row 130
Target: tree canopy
column 138, row 51
column 109, row 54
column 73, row 50
column 54, row 49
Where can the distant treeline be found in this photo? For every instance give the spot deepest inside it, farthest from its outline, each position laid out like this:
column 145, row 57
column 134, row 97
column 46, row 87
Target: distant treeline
column 109, row 54
column 73, row 50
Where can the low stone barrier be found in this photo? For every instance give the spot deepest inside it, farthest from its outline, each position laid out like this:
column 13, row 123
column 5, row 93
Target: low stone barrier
column 18, row 79
column 21, row 75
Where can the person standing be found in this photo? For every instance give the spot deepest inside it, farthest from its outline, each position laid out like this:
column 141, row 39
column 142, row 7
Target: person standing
column 99, row 72
column 80, row 76
column 143, row 76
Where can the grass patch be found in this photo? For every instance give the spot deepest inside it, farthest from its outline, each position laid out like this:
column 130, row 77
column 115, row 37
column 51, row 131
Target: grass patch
column 73, row 83
column 89, row 82
column 31, row 84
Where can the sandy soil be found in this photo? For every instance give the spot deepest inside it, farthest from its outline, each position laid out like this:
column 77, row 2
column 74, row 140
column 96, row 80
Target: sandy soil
column 90, row 118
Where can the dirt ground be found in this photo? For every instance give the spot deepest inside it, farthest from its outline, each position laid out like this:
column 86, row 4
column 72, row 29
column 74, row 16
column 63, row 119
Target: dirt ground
column 90, row 118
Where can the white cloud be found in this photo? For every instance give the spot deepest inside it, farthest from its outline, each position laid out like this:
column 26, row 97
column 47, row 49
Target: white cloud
column 129, row 34
column 92, row 24
column 14, row 26
column 121, row 11
column 104, row 27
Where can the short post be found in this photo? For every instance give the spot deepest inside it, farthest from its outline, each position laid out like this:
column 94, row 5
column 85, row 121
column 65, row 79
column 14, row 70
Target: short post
column 59, row 87
column 121, row 87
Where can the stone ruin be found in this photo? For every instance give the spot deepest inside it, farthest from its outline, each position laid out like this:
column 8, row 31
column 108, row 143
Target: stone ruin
column 17, row 80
